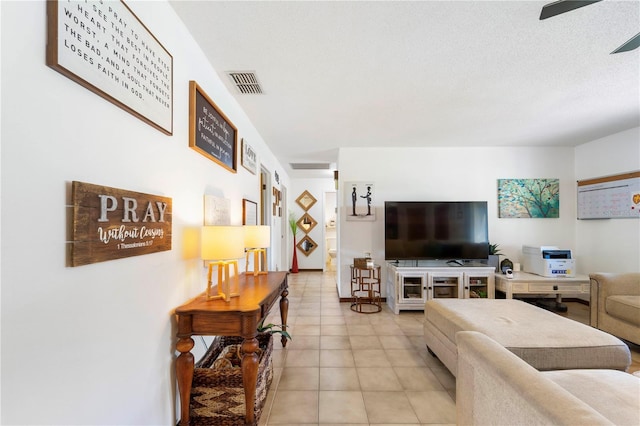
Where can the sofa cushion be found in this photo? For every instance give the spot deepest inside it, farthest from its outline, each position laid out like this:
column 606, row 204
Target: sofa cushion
column 614, row 394
column 626, row 308
column 543, row 339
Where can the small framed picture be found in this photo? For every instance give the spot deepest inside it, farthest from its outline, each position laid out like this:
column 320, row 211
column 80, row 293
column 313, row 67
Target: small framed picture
column 249, row 212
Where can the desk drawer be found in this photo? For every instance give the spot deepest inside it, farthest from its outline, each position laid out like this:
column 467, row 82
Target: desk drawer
column 520, row 287
column 555, row 288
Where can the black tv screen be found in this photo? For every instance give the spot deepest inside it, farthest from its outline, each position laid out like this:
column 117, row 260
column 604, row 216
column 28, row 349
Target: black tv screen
column 430, row 230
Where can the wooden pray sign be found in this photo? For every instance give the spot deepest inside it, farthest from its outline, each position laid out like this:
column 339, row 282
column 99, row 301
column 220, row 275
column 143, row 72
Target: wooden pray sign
column 111, row 223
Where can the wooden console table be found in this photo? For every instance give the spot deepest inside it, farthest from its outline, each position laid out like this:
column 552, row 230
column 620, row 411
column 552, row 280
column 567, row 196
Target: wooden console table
column 239, row 317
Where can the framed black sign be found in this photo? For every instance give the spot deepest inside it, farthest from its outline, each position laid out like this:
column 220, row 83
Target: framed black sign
column 211, row 133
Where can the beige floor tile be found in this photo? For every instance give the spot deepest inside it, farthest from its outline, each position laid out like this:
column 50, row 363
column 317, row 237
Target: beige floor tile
column 386, row 329
column 371, row 358
column 308, row 320
column 418, row 379
column 388, row 407
column 416, row 329
column 332, row 320
column 294, row 408
column 365, row 342
column 278, row 358
column 335, row 342
column 304, row 342
column 303, row 358
column 351, row 317
column 433, row 406
column 342, row 406
column 331, row 312
column 333, row 378
column 306, row 330
column 418, row 342
column 405, row 358
column 333, row 330
column 299, row 378
column 309, row 312
column 360, row 330
column 378, row 379
column 395, row 342
column 445, row 377
column 336, row 358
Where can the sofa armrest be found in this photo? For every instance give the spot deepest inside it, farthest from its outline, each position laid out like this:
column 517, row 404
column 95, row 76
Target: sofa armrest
column 604, row 285
column 494, row 386
column 611, row 284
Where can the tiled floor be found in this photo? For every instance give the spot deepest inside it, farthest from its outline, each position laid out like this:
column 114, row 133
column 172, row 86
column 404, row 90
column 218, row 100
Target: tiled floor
column 349, row 368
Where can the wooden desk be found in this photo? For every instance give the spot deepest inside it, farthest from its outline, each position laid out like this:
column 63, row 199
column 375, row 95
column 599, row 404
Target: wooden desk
column 239, row 317
column 526, row 283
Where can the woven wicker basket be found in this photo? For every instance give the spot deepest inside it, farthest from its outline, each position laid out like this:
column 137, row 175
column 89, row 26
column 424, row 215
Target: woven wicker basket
column 217, row 396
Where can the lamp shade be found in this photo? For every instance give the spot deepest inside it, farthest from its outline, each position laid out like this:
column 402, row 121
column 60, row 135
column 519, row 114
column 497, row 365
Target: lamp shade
column 222, row 242
column 257, row 236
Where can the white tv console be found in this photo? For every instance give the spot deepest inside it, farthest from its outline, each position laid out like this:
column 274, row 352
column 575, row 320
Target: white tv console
column 411, row 283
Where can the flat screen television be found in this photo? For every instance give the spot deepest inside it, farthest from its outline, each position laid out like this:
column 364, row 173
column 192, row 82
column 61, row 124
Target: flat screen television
column 436, row 230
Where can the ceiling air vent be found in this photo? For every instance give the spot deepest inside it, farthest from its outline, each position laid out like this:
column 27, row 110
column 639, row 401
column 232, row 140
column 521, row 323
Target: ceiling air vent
column 246, row 82
column 310, row 166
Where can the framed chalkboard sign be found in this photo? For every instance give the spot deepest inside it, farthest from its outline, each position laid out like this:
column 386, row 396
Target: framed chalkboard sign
column 211, row 133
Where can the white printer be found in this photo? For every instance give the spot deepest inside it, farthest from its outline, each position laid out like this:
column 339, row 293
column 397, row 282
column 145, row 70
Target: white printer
column 548, row 261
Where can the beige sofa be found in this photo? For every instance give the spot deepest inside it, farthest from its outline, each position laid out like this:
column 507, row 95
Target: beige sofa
column 495, row 387
column 615, row 304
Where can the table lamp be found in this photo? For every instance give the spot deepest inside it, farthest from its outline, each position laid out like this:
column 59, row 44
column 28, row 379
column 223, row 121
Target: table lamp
column 222, row 246
column 257, row 238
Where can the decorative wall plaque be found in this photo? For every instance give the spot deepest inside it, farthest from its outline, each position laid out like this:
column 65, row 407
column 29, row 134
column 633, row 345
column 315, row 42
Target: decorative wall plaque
column 306, row 223
column 249, row 158
column 306, row 200
column 307, row 245
column 105, row 48
column 211, row 133
column 111, row 223
column 359, row 201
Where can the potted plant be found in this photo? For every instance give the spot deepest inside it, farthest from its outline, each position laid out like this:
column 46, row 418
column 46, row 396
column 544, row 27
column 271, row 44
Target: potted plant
column 273, row 329
column 494, row 256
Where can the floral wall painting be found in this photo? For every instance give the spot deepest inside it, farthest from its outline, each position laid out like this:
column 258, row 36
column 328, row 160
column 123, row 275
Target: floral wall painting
column 359, row 203
column 532, row 198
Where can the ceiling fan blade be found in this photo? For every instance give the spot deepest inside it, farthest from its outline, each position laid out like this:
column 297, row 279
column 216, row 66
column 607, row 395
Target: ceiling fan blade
column 562, row 6
column 631, row 44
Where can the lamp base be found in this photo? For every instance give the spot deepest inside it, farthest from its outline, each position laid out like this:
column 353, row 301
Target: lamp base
column 258, row 253
column 224, row 281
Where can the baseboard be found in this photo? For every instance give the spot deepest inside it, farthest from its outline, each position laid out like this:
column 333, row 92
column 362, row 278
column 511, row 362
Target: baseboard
column 353, row 299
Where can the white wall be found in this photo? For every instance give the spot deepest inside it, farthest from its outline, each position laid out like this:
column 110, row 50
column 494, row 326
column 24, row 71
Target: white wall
column 317, row 187
column 95, row 344
column 449, row 174
column 609, row 245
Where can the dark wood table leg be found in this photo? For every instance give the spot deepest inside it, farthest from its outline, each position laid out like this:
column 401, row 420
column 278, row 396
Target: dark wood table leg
column 184, row 376
column 284, row 312
column 250, row 376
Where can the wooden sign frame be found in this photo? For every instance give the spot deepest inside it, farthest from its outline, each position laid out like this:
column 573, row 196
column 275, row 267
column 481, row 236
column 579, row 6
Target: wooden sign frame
column 105, row 48
column 249, row 158
column 110, row 223
column 211, row 133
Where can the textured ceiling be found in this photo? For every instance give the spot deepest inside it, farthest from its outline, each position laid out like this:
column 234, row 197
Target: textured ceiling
column 425, row 73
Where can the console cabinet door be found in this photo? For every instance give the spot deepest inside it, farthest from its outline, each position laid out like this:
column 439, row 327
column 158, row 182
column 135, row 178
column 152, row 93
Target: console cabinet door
column 412, row 288
column 443, row 285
